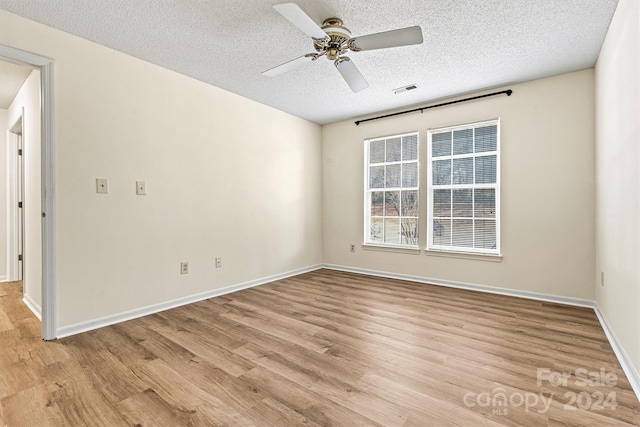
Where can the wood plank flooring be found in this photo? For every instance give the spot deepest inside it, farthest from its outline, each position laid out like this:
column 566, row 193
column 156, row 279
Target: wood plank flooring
column 324, row 348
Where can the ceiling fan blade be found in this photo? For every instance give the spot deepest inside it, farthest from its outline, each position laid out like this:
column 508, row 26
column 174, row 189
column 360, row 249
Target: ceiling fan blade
column 351, row 74
column 288, row 66
column 393, row 38
column 297, row 17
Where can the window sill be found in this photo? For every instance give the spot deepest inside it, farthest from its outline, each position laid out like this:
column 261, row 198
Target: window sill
column 464, row 255
column 397, row 249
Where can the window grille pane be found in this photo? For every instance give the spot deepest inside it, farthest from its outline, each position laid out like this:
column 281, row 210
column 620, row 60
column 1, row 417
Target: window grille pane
column 462, row 233
column 377, row 230
column 441, row 144
column 486, row 169
column 442, row 172
column 392, row 209
column 376, row 177
column 409, row 203
column 463, row 171
column 376, row 151
column 392, row 231
column 392, row 203
column 393, row 176
column 485, row 234
column 410, row 147
column 442, row 232
column 464, row 188
column 377, row 203
column 410, row 175
column 409, row 231
column 486, row 138
column 442, row 203
column 463, row 141
column 462, row 203
column 485, row 203
column 393, row 150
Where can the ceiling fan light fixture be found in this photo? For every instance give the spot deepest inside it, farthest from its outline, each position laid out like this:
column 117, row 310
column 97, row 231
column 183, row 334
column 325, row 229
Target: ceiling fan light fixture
column 333, row 53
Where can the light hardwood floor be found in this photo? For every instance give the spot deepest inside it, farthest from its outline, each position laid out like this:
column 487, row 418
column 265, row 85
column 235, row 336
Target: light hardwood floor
column 323, row 348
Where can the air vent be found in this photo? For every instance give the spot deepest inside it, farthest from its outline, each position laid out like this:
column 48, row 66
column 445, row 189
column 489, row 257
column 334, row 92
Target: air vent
column 405, row 88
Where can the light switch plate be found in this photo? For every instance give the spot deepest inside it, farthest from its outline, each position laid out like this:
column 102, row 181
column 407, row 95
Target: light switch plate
column 141, row 188
column 102, row 186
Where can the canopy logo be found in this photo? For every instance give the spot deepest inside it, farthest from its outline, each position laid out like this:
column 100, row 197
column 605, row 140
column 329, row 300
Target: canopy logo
column 499, row 400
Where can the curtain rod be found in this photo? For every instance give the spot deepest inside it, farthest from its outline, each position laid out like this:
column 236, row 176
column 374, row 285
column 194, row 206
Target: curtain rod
column 508, row 92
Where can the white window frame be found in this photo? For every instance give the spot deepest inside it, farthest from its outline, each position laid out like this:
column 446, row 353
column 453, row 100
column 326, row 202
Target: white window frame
column 430, row 189
column 368, row 191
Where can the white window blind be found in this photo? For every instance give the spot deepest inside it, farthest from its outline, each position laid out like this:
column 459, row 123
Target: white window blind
column 463, row 187
column 391, row 197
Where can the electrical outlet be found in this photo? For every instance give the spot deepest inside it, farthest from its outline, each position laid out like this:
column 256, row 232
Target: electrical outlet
column 141, row 188
column 352, row 248
column 218, row 262
column 602, row 278
column 184, row 267
column 102, row 186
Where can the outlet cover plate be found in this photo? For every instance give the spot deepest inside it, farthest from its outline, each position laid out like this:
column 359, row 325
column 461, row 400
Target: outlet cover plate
column 141, row 188
column 102, row 186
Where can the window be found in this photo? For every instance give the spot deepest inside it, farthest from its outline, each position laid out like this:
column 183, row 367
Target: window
column 391, row 197
column 464, row 188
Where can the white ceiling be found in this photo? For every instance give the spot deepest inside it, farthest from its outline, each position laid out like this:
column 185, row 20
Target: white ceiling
column 469, row 45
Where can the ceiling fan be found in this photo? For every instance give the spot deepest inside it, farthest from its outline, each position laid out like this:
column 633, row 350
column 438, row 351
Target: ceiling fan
column 334, row 40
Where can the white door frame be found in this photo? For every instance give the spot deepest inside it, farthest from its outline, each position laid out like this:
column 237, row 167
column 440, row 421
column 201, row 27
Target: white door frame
column 49, row 313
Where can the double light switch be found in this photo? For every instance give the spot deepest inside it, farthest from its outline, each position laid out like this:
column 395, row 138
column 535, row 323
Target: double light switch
column 102, row 187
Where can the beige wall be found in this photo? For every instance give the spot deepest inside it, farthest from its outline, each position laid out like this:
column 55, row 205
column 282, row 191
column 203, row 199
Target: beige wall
column 547, row 190
column 226, row 177
column 618, row 176
column 3, row 194
column 28, row 100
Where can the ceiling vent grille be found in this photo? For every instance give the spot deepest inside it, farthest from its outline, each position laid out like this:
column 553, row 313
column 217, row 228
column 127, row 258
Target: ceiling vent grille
column 405, row 88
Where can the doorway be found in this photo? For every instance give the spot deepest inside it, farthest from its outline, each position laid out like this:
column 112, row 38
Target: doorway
column 24, row 191
column 41, row 223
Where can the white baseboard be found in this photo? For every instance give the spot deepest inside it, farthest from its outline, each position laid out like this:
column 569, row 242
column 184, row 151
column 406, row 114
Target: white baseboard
column 623, row 359
column 632, row 374
column 3, row 279
column 78, row 328
column 33, row 306
column 469, row 286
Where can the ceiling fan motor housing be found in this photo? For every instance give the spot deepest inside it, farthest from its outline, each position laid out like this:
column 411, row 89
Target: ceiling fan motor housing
column 339, row 36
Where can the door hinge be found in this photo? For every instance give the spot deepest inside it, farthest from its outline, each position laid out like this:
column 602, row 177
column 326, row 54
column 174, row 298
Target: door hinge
column 19, row 257
column 20, row 152
column 20, row 204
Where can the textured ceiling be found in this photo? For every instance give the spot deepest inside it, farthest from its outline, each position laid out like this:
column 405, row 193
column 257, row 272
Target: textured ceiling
column 469, row 45
column 12, row 78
